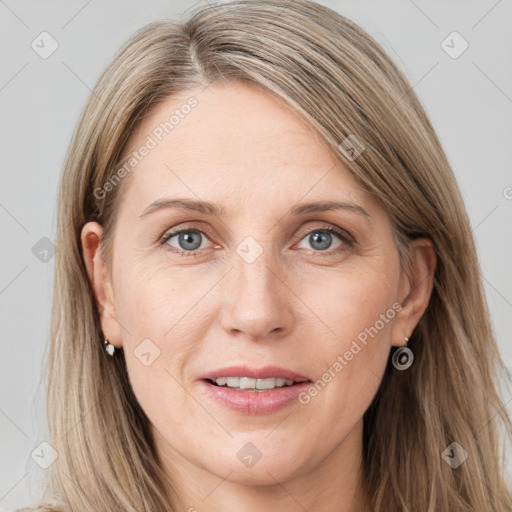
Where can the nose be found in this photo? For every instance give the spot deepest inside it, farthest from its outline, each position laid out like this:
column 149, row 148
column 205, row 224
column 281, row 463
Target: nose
column 260, row 303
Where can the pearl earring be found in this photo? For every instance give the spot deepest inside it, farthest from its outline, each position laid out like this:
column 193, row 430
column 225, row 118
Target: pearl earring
column 109, row 348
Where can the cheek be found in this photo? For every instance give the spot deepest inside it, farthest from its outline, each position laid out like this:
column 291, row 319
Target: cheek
column 153, row 299
column 350, row 301
column 357, row 310
column 148, row 310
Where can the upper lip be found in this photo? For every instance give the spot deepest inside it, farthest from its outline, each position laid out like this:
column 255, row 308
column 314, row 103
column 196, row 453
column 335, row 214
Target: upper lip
column 266, row 372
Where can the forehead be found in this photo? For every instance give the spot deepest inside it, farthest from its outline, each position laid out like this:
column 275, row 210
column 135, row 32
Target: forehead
column 233, row 140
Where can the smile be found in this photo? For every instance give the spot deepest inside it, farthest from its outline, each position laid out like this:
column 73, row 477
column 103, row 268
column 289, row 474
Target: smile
column 253, row 391
column 249, row 384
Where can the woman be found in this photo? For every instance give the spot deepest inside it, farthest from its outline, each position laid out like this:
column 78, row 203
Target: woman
column 267, row 294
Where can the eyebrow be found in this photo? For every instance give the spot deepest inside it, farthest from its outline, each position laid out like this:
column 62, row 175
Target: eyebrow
column 204, row 207
column 323, row 206
column 208, row 208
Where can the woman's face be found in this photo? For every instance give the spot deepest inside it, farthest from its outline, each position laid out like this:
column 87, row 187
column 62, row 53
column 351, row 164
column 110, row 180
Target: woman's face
column 285, row 269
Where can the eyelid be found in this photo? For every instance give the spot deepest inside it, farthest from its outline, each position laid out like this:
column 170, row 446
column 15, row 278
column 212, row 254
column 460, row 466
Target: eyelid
column 186, row 227
column 342, row 233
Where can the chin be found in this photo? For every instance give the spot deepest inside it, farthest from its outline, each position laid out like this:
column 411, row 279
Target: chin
column 264, row 473
column 261, row 466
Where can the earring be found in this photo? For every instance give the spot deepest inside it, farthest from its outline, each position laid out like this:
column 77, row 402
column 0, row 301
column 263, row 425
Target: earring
column 109, row 348
column 403, row 357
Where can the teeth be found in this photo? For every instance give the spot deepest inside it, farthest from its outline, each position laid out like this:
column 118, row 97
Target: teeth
column 253, row 384
column 232, row 382
column 247, row 383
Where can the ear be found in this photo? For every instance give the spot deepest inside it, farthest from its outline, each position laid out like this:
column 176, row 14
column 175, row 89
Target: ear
column 415, row 289
column 100, row 282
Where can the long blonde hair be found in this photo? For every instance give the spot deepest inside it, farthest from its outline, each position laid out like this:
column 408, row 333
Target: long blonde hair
column 339, row 79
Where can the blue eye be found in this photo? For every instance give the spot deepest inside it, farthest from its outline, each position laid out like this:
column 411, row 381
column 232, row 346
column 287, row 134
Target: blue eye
column 322, row 239
column 189, row 241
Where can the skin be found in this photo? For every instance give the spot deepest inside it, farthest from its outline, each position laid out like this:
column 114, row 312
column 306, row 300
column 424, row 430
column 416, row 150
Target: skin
column 295, row 306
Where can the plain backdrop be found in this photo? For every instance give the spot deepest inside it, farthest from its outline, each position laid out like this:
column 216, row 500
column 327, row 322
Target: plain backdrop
column 467, row 95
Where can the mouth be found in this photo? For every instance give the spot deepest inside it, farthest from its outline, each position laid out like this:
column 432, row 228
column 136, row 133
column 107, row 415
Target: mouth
column 253, row 385
column 254, row 391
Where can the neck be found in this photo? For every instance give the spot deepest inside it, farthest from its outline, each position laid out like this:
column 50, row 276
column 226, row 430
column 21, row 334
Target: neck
column 335, row 484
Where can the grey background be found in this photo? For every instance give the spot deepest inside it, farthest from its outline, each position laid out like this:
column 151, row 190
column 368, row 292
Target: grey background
column 469, row 100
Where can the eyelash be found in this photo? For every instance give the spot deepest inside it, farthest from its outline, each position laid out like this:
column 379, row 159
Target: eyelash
column 347, row 239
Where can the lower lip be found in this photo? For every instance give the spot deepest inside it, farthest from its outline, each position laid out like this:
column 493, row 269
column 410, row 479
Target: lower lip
column 255, row 402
